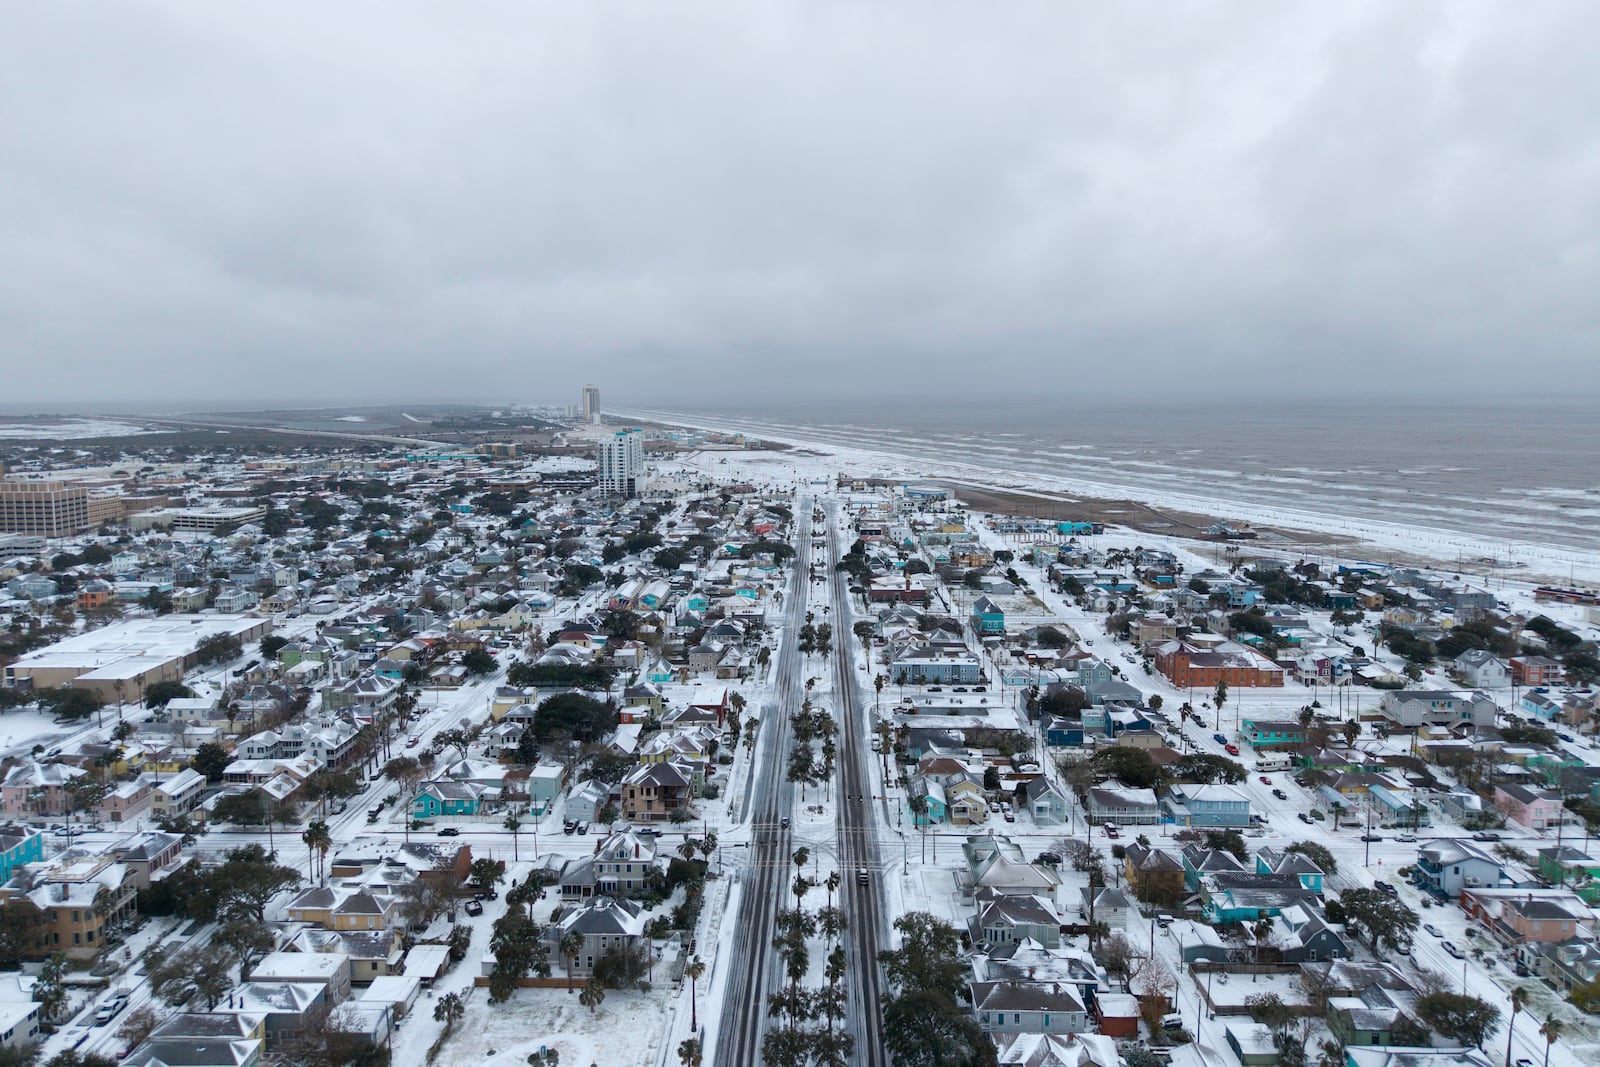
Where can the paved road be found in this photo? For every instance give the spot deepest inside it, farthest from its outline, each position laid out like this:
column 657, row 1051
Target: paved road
column 858, row 845
column 763, row 880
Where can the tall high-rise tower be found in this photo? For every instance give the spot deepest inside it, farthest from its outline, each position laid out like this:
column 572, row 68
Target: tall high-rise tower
column 621, row 462
column 591, row 403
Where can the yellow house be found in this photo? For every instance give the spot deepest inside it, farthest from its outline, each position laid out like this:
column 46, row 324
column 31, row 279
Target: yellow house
column 344, row 910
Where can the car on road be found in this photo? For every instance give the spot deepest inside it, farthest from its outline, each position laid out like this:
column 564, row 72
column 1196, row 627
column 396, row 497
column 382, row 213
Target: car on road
column 1372, row 837
column 1450, row 947
column 1305, row 818
column 473, row 908
column 783, row 823
column 1432, row 929
column 1219, row 739
column 1385, row 888
column 862, row 878
column 1486, row 835
column 110, row 1008
column 414, row 742
column 1231, row 748
column 1280, row 794
column 1405, row 837
column 1111, row 830
column 1265, row 780
column 450, row 831
column 1049, row 859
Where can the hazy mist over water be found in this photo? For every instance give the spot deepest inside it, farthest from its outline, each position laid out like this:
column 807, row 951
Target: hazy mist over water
column 1523, row 471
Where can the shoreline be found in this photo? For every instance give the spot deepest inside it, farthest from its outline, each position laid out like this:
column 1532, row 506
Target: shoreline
column 1460, row 552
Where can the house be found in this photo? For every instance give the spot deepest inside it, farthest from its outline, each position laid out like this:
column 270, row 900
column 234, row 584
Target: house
column 1246, row 897
column 997, row 865
column 286, row 1009
column 329, row 971
column 1271, row 860
column 651, row 792
column 19, row 845
column 19, row 1014
column 1564, row 964
column 80, row 897
column 1206, row 805
column 1300, row 935
column 1411, row 708
column 1514, row 916
column 447, row 797
column 1533, row 808
column 601, row 923
column 148, row 855
column 1565, row 865
column 1003, row 918
column 34, row 788
column 1044, row 802
column 1199, row 861
column 1449, row 865
column 1271, row 733
column 623, row 862
column 1534, row 670
column 203, row 1039
column 175, row 797
column 1481, row 669
column 1028, row 1008
column 1154, row 875
column 987, row 617
column 1124, row 805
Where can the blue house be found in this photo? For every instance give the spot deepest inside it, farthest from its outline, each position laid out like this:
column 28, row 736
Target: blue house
column 1271, row 733
column 1206, row 805
column 444, row 797
column 987, row 618
column 17, row 849
column 1272, row 860
column 932, row 803
column 1062, row 732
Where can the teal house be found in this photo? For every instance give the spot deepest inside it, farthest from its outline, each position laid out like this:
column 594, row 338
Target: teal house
column 932, row 802
column 987, row 618
column 18, row 847
column 446, row 798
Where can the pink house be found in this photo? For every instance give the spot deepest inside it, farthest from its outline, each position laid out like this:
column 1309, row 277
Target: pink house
column 34, row 788
column 1533, row 808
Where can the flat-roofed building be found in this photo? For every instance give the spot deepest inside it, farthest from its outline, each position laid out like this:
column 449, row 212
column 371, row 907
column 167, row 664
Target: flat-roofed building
column 131, row 655
column 48, row 508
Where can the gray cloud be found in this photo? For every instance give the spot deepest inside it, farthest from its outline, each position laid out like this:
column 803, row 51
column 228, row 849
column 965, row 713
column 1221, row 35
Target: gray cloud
column 498, row 202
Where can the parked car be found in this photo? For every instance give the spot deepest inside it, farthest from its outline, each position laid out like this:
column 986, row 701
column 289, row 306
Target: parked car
column 450, row 831
column 1486, row 835
column 110, row 1008
column 1219, row 739
column 1405, row 837
column 1049, row 859
column 1305, row 818
column 1008, row 816
column 473, row 908
column 1385, row 888
column 1280, row 794
column 569, row 826
column 1450, row 947
column 1265, row 780
column 1372, row 837
column 1432, row 929
column 1111, row 830
column 1232, row 749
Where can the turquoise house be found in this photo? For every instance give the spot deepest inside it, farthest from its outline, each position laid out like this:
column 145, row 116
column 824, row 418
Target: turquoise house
column 16, row 849
column 987, row 618
column 933, row 808
column 446, row 798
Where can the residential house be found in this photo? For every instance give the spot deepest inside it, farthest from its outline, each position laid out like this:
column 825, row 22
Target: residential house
column 1045, row 802
column 33, row 788
column 1299, row 934
column 19, row 845
column 327, row 970
column 1003, row 918
column 1567, row 866
column 1016, row 1007
column 445, row 797
column 987, row 617
column 1204, row 663
column 1534, row 670
column 1448, row 866
column 1206, row 805
column 1153, row 874
column 1411, row 708
column 601, row 923
column 1481, row 669
column 651, row 792
column 1271, row 860
column 1271, row 733
column 1244, row 898
column 1534, row 808
column 1123, row 805
column 174, row 797
column 623, row 862
column 1514, row 916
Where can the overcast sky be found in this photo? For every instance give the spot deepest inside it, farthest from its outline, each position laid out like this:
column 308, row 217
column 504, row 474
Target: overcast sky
column 380, row 202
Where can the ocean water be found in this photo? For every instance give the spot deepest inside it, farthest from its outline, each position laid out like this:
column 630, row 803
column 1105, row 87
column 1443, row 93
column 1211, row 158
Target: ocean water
column 1518, row 471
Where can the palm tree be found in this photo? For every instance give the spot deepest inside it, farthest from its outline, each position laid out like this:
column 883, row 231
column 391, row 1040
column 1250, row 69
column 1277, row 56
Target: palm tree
column 1550, row 1030
column 832, row 884
column 802, row 885
column 569, row 946
column 689, row 1053
column 449, row 1011
column 1519, row 1000
column 319, row 840
column 693, row 970
column 593, row 994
